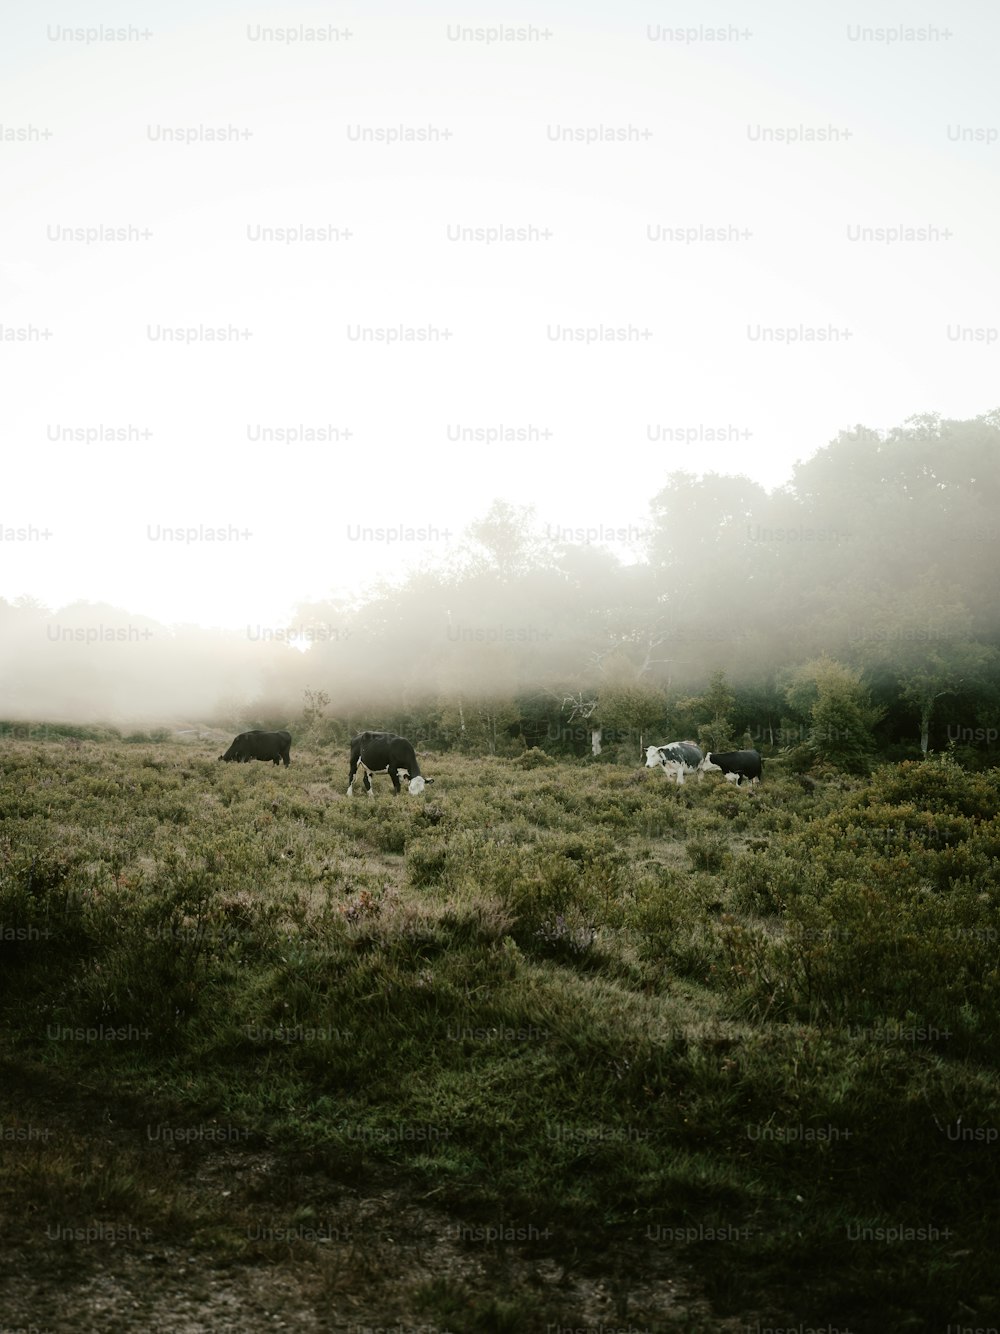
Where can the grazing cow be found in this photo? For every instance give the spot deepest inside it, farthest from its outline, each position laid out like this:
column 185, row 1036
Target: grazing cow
column 735, row 764
column 260, row 746
column 677, row 758
column 385, row 753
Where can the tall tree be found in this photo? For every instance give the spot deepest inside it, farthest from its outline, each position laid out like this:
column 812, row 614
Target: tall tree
column 839, row 710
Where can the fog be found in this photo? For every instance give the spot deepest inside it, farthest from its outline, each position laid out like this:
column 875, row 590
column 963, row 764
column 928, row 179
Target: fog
column 288, row 301
column 878, row 561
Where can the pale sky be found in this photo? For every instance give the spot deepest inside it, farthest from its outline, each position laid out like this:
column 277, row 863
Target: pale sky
column 700, row 142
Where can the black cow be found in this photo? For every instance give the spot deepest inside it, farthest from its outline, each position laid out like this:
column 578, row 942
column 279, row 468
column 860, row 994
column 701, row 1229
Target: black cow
column 739, row 763
column 260, row 746
column 385, row 753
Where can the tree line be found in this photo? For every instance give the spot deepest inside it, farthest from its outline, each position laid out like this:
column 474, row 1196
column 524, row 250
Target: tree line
column 853, row 611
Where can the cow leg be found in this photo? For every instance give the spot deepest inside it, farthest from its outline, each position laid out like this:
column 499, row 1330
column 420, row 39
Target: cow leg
column 680, row 776
column 350, row 778
column 394, row 775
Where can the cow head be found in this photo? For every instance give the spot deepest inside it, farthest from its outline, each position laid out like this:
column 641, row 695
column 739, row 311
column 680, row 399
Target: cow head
column 653, row 757
column 707, row 766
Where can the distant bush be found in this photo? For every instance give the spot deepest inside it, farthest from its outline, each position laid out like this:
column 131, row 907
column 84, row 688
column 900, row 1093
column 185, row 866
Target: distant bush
column 938, row 783
column 41, row 900
column 799, row 759
column 562, row 937
column 618, row 753
column 426, row 859
column 707, row 853
column 535, row 759
column 388, row 830
column 765, row 882
column 891, row 909
column 26, row 731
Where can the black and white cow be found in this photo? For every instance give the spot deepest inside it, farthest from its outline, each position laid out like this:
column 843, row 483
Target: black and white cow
column 385, row 753
column 677, row 758
column 259, row 745
column 735, row 764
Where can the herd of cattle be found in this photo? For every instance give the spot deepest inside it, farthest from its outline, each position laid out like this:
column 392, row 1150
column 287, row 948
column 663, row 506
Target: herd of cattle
column 386, row 753
column 371, row 752
column 683, row 757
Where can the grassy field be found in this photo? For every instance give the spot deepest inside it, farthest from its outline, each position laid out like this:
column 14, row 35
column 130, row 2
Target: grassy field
column 552, row 1046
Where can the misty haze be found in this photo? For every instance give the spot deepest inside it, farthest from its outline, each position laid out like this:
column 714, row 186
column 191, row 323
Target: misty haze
column 499, row 670
column 875, row 565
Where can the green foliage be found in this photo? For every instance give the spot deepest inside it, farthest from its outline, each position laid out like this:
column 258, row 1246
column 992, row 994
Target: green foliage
column 426, row 860
column 707, row 853
column 316, row 703
column 840, row 713
column 717, row 704
column 605, row 989
column 765, row 882
column 674, row 930
column 938, row 785
column 28, row 731
column 891, row 910
column 632, row 705
column 535, row 759
column 480, row 723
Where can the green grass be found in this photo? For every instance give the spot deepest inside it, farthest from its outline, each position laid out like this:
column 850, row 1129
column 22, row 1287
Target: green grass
column 568, row 996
